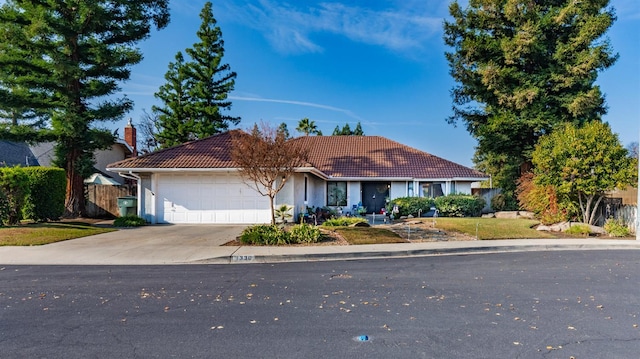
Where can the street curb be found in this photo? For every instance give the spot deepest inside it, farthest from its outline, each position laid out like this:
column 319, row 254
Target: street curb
column 316, row 257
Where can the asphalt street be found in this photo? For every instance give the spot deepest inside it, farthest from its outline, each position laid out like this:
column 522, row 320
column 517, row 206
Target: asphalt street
column 580, row 304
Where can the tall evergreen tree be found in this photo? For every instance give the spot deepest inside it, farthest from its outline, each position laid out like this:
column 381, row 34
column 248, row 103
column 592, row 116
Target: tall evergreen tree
column 68, row 57
column 523, row 67
column 346, row 130
column 358, row 130
column 174, row 119
column 284, row 130
column 205, row 82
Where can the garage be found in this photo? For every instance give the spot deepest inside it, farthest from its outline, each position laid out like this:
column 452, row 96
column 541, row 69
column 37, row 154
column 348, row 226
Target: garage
column 208, row 198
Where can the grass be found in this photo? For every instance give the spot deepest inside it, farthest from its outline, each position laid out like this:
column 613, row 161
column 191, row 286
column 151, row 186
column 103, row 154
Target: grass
column 45, row 233
column 368, row 235
column 493, row 228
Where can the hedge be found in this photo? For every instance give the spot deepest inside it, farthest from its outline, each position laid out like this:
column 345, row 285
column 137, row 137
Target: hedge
column 459, row 205
column 35, row 193
column 47, row 193
column 14, row 188
column 411, row 206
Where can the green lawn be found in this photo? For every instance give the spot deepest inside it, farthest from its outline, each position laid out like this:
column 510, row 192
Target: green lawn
column 44, row 233
column 368, row 235
column 493, row 228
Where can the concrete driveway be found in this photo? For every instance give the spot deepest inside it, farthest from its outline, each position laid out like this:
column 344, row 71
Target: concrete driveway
column 157, row 244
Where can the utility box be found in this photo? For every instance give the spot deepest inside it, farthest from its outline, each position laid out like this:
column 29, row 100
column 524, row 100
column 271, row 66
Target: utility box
column 128, row 205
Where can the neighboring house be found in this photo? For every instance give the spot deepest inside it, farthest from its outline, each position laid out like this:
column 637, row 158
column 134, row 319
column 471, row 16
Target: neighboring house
column 43, row 154
column 197, row 182
column 16, row 154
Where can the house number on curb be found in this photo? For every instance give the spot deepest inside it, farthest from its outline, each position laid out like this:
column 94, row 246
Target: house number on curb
column 243, row 258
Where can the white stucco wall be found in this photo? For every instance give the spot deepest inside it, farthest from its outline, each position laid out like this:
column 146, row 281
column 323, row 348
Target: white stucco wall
column 398, row 189
column 354, row 195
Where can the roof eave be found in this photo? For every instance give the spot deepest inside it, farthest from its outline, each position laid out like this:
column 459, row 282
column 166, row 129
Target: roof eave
column 312, row 170
column 174, row 169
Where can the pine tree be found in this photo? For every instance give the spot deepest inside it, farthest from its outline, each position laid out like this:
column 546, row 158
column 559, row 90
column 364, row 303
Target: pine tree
column 336, row 131
column 205, row 81
column 358, row 131
column 284, row 130
column 174, row 119
column 69, row 56
column 522, row 68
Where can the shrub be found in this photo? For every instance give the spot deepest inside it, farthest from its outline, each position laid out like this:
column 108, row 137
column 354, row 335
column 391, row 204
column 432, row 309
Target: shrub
column 542, row 200
column 579, row 229
column 304, row 233
column 343, row 221
column 411, row 206
column 616, row 228
column 504, row 202
column 47, row 187
column 14, row 185
column 129, row 221
column 263, row 234
column 459, row 205
column 283, row 212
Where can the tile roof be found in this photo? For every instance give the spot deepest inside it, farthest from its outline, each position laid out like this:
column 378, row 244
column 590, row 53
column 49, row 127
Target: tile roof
column 335, row 156
column 210, row 152
column 375, row 156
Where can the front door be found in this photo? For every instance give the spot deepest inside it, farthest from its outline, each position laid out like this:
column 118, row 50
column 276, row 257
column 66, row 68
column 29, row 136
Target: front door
column 374, row 195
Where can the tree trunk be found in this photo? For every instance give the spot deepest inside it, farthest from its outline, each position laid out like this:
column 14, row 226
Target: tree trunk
column 74, row 202
column 273, row 210
column 594, row 210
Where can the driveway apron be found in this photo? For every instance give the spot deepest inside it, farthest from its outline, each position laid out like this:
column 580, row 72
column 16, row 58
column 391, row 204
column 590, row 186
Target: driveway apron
column 156, row 244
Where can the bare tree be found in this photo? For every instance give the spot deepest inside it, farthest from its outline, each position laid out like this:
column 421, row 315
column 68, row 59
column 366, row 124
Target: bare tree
column 148, row 127
column 632, row 148
column 266, row 159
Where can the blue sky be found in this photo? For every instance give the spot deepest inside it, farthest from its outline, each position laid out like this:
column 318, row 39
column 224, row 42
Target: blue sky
column 380, row 63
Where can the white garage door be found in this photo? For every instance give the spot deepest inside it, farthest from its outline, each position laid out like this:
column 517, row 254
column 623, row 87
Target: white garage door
column 209, row 198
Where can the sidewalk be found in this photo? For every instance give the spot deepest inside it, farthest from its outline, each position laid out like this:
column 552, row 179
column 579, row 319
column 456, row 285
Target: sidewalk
column 155, row 245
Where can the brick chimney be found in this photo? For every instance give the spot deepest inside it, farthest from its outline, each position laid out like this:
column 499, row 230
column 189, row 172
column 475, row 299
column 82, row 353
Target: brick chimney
column 130, row 136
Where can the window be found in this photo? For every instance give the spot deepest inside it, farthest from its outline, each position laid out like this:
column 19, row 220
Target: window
column 453, row 188
column 306, row 189
column 432, row 190
column 336, row 193
column 410, row 189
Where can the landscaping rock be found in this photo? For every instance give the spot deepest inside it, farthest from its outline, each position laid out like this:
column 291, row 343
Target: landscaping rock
column 560, row 227
column 489, row 215
column 507, row 214
column 542, row 227
column 526, row 214
column 597, row 230
column 564, row 226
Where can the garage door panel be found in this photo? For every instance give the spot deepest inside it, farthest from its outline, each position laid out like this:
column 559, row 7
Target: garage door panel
column 203, row 198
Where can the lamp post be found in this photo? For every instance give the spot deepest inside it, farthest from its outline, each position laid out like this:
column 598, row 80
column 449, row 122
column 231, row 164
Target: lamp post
column 638, row 199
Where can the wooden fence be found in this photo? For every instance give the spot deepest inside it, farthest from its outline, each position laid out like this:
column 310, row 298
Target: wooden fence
column 628, row 215
column 102, row 200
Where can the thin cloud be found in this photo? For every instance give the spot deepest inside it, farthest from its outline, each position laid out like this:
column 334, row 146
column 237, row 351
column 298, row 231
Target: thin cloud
column 298, row 103
column 290, row 29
